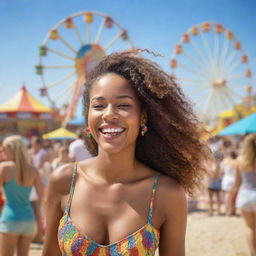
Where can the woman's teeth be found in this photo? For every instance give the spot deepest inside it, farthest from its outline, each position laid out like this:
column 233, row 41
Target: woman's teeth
column 112, row 131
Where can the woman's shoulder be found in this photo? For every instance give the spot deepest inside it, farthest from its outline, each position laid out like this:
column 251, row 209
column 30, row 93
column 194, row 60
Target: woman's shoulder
column 170, row 188
column 171, row 194
column 61, row 178
column 171, row 197
column 6, row 166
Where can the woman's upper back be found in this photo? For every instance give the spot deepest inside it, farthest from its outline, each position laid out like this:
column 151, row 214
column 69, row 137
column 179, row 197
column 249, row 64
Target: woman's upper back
column 248, row 180
column 17, row 205
column 247, row 174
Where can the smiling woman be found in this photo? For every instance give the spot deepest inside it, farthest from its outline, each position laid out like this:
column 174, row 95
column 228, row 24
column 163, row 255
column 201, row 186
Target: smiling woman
column 129, row 199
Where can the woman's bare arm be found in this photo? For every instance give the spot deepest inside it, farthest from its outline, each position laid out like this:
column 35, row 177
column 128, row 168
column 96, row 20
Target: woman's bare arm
column 39, row 185
column 172, row 240
column 59, row 184
column 237, row 181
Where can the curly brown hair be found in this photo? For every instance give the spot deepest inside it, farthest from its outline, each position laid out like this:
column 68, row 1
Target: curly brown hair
column 171, row 145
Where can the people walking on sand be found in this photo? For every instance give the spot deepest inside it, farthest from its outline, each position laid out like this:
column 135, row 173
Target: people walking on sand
column 245, row 184
column 37, row 156
column 130, row 197
column 213, row 183
column 228, row 169
column 17, row 176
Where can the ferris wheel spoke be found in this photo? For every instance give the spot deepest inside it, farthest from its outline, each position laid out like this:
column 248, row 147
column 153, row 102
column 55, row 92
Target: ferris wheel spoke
column 235, row 95
column 196, row 63
column 216, row 49
column 76, row 91
column 207, row 47
column 229, row 60
column 77, row 34
column 189, row 80
column 221, row 102
column 88, row 33
column 224, row 53
column 60, row 54
column 217, row 105
column 99, row 32
column 233, row 66
column 67, row 44
column 227, row 93
column 196, row 73
column 133, row 47
column 235, row 76
column 61, row 80
column 43, row 81
column 208, row 102
column 225, row 99
column 59, row 67
column 66, row 90
column 237, row 86
column 199, row 89
column 111, row 42
column 199, row 52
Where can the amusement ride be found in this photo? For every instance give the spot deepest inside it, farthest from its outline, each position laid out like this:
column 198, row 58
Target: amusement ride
column 70, row 49
column 211, row 66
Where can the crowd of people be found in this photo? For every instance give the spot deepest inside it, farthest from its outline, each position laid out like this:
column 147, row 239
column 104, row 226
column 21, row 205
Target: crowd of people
column 125, row 193
column 24, row 174
column 231, row 179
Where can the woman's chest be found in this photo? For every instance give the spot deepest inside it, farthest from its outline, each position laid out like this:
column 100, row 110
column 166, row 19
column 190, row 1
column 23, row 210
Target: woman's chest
column 108, row 214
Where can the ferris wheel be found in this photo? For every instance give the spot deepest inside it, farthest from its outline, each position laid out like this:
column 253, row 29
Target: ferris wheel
column 70, row 49
column 212, row 68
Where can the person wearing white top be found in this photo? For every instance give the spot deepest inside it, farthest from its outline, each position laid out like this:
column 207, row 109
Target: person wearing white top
column 77, row 149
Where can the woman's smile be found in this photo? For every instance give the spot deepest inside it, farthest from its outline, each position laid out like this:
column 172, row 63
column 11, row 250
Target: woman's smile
column 111, row 132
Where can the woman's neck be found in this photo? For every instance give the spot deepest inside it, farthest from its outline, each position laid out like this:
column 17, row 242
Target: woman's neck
column 118, row 167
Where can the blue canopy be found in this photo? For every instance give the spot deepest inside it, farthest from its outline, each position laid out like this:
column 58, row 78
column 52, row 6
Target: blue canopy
column 241, row 127
column 79, row 121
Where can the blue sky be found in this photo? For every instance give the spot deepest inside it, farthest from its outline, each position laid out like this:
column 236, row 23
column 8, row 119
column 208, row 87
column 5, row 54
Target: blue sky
column 153, row 24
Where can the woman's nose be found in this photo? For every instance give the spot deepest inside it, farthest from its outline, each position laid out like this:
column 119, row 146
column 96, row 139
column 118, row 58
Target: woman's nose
column 110, row 113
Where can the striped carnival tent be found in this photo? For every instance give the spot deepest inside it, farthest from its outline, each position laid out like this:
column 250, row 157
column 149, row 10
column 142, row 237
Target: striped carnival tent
column 25, row 115
column 24, row 106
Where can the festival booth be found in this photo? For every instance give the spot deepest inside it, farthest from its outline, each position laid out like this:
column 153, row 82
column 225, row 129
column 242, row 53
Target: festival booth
column 60, row 134
column 230, row 116
column 25, row 115
column 242, row 127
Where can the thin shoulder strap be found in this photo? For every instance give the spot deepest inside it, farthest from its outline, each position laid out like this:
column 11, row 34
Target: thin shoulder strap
column 71, row 191
column 153, row 198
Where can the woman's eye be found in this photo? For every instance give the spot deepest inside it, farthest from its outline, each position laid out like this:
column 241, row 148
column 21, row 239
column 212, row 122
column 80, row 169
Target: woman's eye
column 97, row 106
column 124, row 105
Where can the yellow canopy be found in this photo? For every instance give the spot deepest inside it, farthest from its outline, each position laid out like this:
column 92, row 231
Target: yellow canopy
column 237, row 112
column 23, row 101
column 60, row 134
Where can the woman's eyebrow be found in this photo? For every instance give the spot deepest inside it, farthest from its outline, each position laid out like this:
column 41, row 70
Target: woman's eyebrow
column 124, row 96
column 118, row 97
column 98, row 98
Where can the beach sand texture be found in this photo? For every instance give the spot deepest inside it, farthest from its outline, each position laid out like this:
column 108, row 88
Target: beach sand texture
column 207, row 236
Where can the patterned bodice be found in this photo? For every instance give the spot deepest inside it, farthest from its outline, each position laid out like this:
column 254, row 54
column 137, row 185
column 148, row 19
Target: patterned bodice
column 142, row 242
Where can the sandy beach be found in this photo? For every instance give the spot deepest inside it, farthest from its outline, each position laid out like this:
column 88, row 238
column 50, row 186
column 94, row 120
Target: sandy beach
column 207, row 236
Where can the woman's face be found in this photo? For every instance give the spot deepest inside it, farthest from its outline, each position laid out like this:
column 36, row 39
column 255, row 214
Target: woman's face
column 115, row 115
column 8, row 153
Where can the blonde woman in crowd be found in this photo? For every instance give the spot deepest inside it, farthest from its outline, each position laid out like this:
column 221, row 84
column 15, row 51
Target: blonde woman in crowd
column 245, row 184
column 17, row 176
